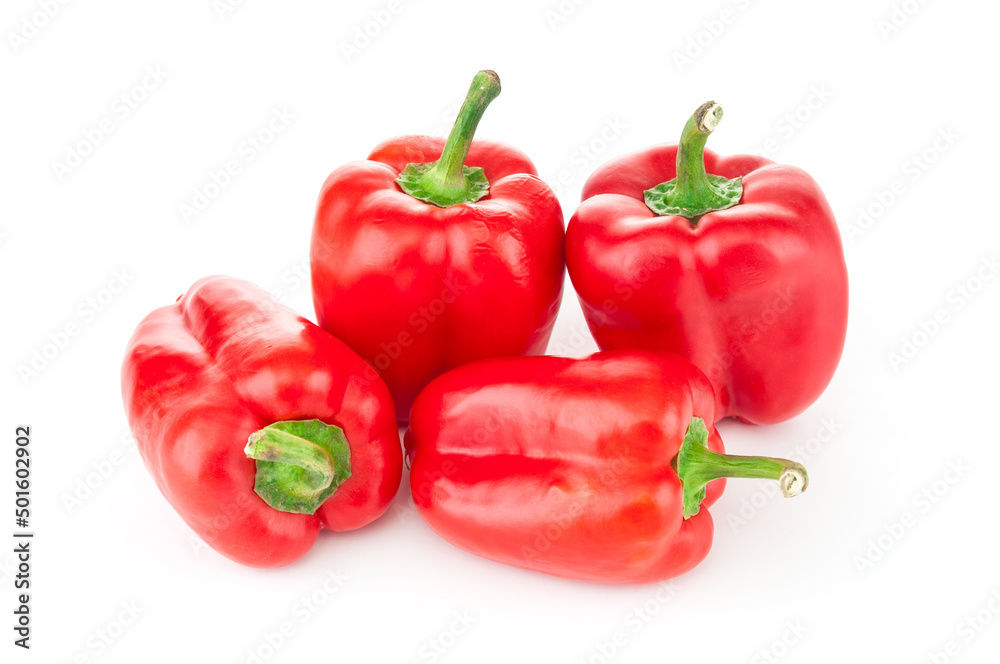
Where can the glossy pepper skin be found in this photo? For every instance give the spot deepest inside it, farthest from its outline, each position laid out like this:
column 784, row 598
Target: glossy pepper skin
column 202, row 375
column 418, row 288
column 567, row 466
column 755, row 294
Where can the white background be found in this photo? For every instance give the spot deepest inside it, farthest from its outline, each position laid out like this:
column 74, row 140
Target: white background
column 816, row 579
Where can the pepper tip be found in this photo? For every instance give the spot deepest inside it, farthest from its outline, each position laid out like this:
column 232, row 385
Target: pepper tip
column 709, row 116
column 793, row 481
column 494, row 76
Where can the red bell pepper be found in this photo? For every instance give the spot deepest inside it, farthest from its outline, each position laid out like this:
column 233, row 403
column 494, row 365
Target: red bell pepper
column 733, row 262
column 591, row 469
column 225, row 376
column 421, row 263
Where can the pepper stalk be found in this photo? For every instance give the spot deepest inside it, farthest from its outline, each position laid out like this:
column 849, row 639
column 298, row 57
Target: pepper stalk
column 694, row 192
column 448, row 181
column 300, row 463
column 697, row 465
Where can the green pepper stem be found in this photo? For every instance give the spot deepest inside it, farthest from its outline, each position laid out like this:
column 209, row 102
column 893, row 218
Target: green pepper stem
column 694, row 192
column 692, row 180
column 272, row 444
column 449, row 168
column 299, row 464
column 448, row 181
column 697, row 466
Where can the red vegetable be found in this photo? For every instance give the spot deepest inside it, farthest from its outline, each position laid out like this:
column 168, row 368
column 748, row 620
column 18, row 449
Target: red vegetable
column 225, row 365
column 591, row 469
column 741, row 271
column 421, row 263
